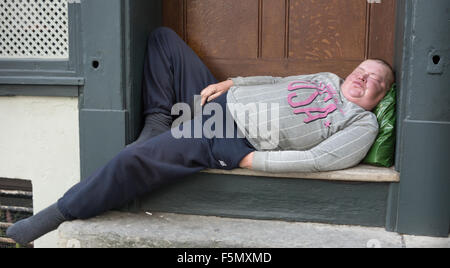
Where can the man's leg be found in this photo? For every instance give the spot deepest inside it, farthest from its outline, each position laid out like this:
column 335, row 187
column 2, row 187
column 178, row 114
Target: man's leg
column 163, row 159
column 173, row 73
column 135, row 171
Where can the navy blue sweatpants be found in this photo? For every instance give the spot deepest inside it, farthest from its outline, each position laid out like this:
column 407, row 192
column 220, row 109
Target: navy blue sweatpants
column 172, row 74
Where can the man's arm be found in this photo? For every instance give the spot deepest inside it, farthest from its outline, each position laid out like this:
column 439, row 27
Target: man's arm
column 215, row 90
column 344, row 149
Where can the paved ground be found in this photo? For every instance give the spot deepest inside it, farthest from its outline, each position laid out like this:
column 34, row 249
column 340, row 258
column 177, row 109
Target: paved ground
column 116, row 229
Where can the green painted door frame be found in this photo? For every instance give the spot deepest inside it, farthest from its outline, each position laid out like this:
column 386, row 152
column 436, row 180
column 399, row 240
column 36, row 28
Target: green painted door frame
column 420, row 203
column 114, row 34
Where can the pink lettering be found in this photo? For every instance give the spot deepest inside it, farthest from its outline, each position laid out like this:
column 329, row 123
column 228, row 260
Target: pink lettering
column 292, row 87
column 303, row 103
column 320, row 90
column 324, row 112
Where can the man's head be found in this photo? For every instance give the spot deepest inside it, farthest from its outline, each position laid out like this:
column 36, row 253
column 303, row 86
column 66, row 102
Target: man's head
column 367, row 85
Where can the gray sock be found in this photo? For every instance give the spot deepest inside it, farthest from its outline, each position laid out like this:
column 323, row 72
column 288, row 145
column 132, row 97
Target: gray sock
column 155, row 124
column 28, row 230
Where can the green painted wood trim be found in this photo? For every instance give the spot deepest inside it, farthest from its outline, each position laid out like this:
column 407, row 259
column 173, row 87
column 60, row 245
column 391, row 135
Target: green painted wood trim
column 102, row 136
column 141, row 17
column 273, row 198
column 101, row 102
column 41, row 80
column 419, row 204
column 110, row 100
column 40, row 90
column 424, row 192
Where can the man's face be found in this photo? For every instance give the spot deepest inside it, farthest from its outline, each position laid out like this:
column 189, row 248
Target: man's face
column 367, row 85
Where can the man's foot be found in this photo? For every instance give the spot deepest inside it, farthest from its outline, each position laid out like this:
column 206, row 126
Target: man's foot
column 30, row 229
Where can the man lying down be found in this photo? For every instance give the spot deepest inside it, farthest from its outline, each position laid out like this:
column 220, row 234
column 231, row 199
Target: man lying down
column 303, row 123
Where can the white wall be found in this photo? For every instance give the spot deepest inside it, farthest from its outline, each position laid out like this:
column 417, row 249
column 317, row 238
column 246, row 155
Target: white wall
column 39, row 141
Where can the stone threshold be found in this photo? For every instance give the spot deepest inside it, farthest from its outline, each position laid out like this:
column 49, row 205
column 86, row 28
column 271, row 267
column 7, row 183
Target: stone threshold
column 165, row 230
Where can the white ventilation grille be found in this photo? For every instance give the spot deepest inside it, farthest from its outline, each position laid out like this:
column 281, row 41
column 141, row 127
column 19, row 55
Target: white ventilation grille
column 34, row 29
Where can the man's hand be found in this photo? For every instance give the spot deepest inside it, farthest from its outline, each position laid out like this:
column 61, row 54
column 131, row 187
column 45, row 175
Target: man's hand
column 213, row 91
column 247, row 161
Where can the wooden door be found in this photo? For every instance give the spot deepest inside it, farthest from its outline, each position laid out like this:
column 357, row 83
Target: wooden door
column 283, row 37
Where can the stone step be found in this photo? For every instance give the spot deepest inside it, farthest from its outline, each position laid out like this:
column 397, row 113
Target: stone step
column 165, row 230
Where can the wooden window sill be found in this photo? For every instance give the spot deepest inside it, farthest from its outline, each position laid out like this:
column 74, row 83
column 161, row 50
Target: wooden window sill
column 360, row 173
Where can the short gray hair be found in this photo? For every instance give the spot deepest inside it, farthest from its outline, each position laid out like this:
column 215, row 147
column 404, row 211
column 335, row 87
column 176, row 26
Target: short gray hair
column 391, row 71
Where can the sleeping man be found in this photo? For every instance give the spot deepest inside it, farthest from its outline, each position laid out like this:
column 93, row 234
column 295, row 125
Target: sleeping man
column 303, row 123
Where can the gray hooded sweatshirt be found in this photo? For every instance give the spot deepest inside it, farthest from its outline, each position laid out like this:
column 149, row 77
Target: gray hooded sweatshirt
column 301, row 123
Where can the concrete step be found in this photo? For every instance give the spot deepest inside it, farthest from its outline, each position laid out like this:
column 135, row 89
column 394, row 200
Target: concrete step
column 165, row 230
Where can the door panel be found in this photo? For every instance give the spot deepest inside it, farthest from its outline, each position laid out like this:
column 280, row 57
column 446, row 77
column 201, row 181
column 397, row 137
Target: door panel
column 283, row 37
column 223, row 29
column 322, row 30
column 274, row 30
column 382, row 31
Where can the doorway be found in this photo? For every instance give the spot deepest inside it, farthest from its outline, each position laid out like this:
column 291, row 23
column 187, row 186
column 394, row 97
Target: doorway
column 283, row 37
